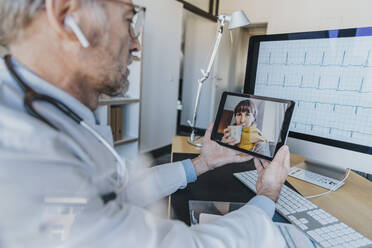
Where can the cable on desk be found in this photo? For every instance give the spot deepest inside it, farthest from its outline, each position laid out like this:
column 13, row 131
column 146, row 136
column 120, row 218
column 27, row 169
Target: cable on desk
column 331, row 190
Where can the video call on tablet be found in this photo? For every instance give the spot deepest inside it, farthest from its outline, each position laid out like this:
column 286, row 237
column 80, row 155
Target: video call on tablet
column 252, row 124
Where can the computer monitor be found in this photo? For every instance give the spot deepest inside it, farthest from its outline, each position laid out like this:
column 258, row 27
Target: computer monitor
column 329, row 76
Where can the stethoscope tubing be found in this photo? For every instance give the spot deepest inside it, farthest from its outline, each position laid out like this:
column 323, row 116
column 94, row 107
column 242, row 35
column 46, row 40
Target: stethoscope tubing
column 31, row 95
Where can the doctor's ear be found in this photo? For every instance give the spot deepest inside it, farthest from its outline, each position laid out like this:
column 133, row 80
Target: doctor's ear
column 60, row 18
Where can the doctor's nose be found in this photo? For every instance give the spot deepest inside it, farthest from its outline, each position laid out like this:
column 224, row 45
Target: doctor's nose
column 135, row 45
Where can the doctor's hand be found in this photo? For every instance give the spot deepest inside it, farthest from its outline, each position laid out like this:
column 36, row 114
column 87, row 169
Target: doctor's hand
column 271, row 176
column 213, row 155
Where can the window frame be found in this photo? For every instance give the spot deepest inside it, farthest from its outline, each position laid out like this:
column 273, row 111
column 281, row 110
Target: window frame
column 213, row 9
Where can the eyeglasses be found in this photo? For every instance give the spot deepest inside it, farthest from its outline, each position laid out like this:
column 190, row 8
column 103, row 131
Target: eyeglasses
column 137, row 22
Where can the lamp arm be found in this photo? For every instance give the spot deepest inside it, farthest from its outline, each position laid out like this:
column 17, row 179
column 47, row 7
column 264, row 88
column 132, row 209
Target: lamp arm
column 206, row 75
column 215, row 49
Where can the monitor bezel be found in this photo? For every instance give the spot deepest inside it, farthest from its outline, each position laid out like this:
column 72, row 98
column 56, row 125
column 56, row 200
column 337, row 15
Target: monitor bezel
column 251, row 70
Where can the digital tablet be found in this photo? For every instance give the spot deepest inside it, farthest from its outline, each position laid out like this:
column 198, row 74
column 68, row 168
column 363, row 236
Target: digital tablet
column 252, row 124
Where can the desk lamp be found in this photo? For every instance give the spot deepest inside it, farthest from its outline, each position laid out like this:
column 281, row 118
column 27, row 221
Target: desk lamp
column 236, row 20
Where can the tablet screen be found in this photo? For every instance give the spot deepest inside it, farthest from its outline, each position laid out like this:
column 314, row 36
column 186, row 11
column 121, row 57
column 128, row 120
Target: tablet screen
column 252, row 124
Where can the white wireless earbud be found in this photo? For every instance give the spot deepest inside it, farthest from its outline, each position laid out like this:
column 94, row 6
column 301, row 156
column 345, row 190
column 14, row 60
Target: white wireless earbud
column 70, row 22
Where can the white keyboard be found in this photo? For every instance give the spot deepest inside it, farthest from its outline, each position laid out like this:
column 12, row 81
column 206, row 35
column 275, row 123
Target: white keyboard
column 315, row 178
column 319, row 225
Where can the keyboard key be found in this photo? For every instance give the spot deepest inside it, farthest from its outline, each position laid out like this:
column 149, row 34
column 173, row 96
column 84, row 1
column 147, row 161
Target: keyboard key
column 304, row 221
column 333, row 234
column 318, row 238
column 326, row 236
column 285, row 212
column 366, row 241
column 302, row 226
column 332, row 242
column 339, row 240
column 354, row 243
column 325, row 244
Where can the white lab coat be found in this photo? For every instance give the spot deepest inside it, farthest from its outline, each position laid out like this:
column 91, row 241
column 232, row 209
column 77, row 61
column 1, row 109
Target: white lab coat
column 52, row 179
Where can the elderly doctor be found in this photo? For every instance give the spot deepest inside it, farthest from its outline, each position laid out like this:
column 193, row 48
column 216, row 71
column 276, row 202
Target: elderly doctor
column 64, row 54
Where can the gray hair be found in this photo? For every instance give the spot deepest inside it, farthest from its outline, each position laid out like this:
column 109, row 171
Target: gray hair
column 14, row 16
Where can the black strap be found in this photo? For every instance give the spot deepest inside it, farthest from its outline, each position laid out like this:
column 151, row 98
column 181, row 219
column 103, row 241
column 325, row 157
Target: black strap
column 106, row 198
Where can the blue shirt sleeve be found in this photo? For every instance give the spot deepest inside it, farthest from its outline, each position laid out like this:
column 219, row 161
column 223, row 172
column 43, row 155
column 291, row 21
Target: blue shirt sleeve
column 189, row 170
column 264, row 203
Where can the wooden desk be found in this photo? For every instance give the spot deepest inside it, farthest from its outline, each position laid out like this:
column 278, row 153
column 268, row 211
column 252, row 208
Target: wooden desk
column 352, row 203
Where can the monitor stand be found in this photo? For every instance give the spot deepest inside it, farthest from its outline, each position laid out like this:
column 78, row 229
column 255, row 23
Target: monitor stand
column 322, row 169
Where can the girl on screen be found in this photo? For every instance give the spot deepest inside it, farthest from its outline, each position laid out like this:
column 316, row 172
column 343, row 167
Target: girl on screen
column 245, row 114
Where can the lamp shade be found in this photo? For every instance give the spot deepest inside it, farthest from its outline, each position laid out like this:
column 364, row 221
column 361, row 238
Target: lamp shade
column 238, row 19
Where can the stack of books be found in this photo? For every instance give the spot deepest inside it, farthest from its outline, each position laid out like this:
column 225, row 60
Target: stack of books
column 116, row 122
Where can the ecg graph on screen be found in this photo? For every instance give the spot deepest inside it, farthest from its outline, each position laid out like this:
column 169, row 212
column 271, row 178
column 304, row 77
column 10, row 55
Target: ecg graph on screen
column 331, row 83
column 319, row 79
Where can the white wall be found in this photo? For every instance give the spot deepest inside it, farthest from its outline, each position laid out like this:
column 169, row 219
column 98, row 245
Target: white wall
column 286, row 16
column 200, row 35
column 202, row 4
column 273, row 120
column 160, row 74
column 228, row 70
column 231, row 64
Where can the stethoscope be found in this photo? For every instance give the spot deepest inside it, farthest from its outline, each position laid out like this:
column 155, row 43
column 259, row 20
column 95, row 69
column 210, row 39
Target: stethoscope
column 120, row 179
